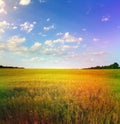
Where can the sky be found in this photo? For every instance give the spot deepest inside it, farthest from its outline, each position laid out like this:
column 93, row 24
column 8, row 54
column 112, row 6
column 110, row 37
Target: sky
column 59, row 33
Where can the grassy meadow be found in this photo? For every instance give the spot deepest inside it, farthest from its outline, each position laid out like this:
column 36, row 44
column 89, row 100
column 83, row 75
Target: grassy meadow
column 46, row 96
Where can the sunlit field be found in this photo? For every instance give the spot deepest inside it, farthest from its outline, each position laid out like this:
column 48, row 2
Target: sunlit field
column 34, row 96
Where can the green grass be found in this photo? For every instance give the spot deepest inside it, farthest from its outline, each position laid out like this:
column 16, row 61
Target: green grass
column 34, row 96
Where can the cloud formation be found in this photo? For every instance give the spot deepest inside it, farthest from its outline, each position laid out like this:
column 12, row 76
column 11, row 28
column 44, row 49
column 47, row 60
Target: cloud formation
column 3, row 26
column 36, row 46
column 2, row 7
column 15, row 43
column 27, row 26
column 49, row 27
column 24, row 2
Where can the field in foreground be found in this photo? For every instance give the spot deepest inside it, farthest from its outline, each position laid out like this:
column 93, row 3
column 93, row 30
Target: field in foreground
column 33, row 96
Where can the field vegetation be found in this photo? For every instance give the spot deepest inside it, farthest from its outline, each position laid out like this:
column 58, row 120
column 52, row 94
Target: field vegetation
column 46, row 96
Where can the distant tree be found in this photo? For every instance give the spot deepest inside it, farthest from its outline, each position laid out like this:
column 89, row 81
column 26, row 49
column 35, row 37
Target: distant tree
column 114, row 65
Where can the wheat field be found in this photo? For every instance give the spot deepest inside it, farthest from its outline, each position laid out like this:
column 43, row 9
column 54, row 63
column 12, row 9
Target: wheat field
column 59, row 96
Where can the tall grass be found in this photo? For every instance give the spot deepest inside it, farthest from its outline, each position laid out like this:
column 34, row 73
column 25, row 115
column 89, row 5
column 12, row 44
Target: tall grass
column 30, row 96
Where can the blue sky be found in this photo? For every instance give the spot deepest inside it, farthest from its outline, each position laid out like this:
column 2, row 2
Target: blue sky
column 59, row 33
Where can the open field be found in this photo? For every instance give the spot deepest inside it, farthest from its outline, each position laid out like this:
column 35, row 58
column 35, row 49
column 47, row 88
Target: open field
column 34, row 96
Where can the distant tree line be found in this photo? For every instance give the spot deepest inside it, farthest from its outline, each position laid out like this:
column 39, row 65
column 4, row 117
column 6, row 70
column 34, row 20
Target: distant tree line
column 112, row 66
column 1, row 66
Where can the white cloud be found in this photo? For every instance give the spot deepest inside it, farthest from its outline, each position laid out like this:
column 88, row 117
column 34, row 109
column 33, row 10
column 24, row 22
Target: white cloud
column 42, row 1
column 51, row 48
column 15, row 7
column 15, row 43
column 95, row 39
column 48, row 19
column 14, row 27
column 105, row 19
column 2, row 7
column 24, row 2
column 59, row 34
column 60, row 40
column 69, row 38
column 2, row 30
column 36, row 46
column 49, row 27
column 27, row 26
column 65, row 47
column 3, row 26
column 49, row 42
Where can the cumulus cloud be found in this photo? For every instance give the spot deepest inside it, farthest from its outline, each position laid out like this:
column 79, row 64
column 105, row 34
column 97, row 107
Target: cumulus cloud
column 27, row 26
column 36, row 46
column 49, row 27
column 60, row 47
column 66, row 38
column 3, row 26
column 49, row 42
column 60, row 40
column 2, row 7
column 69, row 38
column 15, row 43
column 24, row 2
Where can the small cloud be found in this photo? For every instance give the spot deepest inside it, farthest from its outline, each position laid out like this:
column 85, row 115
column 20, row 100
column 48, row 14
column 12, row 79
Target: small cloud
column 95, row 39
column 2, row 7
column 14, row 27
column 15, row 7
column 49, row 27
column 80, row 39
column 48, row 42
column 2, row 30
column 48, row 19
column 24, row 2
column 42, row 1
column 59, row 34
column 15, row 43
column 28, row 27
column 69, row 38
column 3, row 26
column 58, row 41
column 105, row 19
column 36, row 46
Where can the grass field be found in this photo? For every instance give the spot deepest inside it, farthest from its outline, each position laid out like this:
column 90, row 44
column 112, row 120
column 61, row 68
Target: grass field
column 34, row 96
